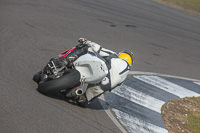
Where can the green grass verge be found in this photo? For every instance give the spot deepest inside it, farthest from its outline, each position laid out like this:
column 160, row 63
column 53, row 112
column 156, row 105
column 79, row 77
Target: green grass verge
column 194, row 118
column 191, row 5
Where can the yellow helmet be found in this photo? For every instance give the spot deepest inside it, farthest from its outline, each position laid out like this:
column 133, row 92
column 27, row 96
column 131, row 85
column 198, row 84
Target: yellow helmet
column 127, row 56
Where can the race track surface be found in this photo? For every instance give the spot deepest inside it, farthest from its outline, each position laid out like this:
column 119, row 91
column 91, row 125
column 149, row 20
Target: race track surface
column 163, row 39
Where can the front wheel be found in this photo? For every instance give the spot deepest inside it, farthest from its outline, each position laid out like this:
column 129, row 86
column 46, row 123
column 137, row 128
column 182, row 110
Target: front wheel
column 37, row 77
column 54, row 86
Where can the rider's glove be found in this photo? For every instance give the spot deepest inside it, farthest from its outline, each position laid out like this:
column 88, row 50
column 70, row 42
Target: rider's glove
column 82, row 40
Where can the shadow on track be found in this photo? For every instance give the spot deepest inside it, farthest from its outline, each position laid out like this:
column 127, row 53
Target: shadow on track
column 94, row 105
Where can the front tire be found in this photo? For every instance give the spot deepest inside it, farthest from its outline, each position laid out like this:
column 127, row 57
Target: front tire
column 37, row 77
column 65, row 82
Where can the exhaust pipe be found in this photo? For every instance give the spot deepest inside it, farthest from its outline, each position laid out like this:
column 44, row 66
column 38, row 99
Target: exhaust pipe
column 79, row 92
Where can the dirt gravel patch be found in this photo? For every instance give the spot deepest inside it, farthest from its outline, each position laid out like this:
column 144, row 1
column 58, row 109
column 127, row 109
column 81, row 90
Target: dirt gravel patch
column 176, row 115
column 185, row 7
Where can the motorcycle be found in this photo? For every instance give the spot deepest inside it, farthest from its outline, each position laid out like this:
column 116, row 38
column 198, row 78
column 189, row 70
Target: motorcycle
column 55, row 77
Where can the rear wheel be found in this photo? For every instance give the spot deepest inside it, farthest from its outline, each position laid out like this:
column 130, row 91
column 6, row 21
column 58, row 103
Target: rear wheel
column 56, row 85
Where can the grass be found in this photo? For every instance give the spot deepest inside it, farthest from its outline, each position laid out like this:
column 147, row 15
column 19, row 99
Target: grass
column 194, row 118
column 189, row 5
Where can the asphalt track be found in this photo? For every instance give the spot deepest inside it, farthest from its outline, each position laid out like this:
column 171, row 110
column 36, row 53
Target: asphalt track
column 163, row 39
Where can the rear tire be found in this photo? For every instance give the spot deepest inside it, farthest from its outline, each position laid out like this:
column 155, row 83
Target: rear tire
column 65, row 82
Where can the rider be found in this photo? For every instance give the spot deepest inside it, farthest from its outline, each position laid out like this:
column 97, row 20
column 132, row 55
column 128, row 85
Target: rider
column 118, row 67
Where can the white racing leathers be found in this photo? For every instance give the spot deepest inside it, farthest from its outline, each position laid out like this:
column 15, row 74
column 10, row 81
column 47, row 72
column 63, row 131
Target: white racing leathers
column 118, row 71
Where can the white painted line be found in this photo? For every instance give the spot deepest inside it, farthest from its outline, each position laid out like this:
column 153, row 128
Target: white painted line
column 135, row 125
column 159, row 74
column 109, row 113
column 167, row 86
column 140, row 98
column 198, row 83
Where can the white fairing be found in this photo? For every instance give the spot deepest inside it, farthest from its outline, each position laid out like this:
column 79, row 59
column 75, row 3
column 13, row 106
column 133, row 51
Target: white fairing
column 118, row 65
column 91, row 68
